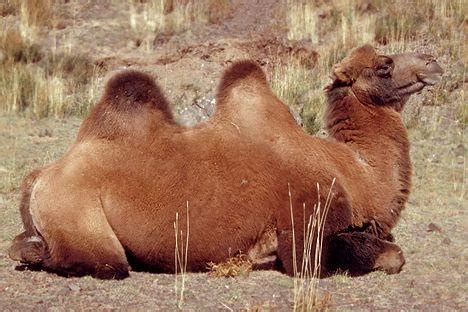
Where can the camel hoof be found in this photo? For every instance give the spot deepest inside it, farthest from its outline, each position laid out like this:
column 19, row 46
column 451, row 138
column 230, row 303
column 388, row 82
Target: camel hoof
column 391, row 261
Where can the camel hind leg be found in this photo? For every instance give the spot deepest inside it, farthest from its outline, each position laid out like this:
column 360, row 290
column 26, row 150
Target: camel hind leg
column 74, row 237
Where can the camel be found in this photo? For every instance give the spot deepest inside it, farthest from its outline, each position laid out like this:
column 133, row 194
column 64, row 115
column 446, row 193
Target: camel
column 237, row 180
column 367, row 149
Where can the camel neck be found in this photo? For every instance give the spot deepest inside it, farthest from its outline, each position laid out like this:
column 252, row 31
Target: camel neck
column 378, row 138
column 371, row 130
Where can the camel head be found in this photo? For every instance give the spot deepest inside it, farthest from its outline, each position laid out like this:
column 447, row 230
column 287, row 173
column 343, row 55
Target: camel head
column 385, row 79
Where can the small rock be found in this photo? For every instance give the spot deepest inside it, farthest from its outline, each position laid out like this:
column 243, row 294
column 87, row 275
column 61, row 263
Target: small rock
column 74, row 287
column 459, row 150
column 45, row 133
column 432, row 227
column 446, row 241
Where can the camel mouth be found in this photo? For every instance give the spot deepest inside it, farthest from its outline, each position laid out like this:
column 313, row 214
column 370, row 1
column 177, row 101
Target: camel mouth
column 432, row 74
column 430, row 79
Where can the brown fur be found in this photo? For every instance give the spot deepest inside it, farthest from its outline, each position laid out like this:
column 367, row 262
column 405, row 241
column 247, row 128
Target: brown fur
column 113, row 197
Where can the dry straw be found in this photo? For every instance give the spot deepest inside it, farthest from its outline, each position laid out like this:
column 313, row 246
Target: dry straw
column 306, row 278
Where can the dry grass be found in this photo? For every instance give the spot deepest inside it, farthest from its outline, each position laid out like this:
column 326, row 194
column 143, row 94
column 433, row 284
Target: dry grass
column 37, row 92
column 33, row 14
column 39, row 85
column 232, row 267
column 180, row 257
column 294, row 84
column 306, row 278
column 16, row 49
column 340, row 25
column 169, row 17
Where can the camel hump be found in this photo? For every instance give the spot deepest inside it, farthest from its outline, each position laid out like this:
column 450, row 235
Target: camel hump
column 130, row 89
column 239, row 72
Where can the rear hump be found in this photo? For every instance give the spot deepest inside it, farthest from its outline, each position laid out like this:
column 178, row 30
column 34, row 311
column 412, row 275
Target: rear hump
column 246, row 72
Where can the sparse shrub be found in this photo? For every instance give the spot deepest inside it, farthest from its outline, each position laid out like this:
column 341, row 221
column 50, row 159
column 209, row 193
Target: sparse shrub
column 78, row 67
column 16, row 49
column 169, row 17
column 55, row 88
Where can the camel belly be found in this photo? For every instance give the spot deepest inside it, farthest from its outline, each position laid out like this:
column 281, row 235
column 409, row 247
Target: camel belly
column 151, row 224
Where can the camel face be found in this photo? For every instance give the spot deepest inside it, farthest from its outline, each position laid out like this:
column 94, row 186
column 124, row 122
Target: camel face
column 416, row 67
column 386, row 80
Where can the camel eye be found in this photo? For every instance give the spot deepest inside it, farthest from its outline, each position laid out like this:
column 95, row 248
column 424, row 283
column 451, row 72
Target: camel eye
column 384, row 71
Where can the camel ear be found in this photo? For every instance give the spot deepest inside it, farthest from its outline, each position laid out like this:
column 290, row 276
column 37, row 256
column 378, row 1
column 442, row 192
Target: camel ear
column 348, row 70
column 342, row 75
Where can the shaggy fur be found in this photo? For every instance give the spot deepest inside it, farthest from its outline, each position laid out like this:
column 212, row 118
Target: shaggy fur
column 132, row 105
column 113, row 197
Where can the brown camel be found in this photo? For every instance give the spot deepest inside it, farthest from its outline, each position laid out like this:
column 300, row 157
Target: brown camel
column 113, row 197
column 367, row 149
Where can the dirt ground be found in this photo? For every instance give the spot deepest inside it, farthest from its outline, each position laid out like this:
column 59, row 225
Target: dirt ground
column 432, row 231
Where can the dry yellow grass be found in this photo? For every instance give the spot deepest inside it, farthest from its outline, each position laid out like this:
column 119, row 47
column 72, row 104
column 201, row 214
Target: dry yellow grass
column 174, row 16
column 41, row 83
column 33, row 14
column 306, row 278
column 232, row 267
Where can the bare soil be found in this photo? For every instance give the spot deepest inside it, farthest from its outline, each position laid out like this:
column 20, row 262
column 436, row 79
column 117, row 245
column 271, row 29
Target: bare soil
column 432, row 232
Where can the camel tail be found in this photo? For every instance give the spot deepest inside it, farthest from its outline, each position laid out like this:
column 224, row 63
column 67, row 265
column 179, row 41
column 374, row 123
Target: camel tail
column 246, row 72
column 28, row 247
